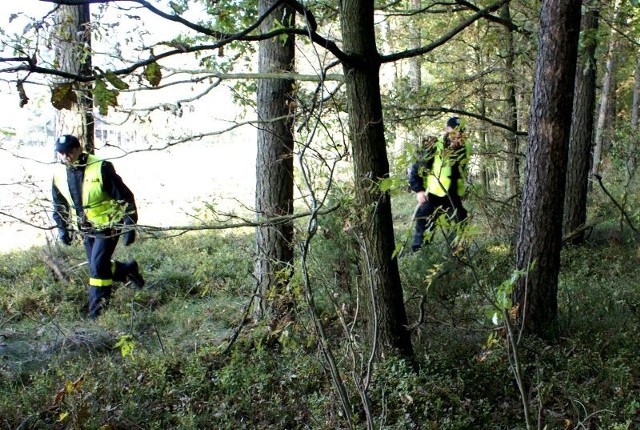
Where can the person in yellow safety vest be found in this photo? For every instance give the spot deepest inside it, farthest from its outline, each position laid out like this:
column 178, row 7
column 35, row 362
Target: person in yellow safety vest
column 439, row 181
column 89, row 193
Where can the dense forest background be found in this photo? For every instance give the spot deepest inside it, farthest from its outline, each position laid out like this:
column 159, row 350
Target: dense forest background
column 293, row 302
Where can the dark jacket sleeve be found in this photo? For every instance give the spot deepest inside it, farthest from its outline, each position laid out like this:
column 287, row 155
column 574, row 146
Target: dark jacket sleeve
column 61, row 208
column 420, row 169
column 416, row 179
column 113, row 185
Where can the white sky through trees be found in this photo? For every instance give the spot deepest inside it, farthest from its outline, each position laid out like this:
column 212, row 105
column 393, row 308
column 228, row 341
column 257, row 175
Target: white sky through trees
column 170, row 185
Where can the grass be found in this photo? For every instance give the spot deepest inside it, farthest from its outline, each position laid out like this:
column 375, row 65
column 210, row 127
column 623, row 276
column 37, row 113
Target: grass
column 155, row 358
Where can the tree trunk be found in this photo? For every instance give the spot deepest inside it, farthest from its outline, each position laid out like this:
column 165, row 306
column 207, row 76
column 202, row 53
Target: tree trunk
column 72, row 38
column 481, row 91
column 540, row 235
column 274, row 163
column 635, row 106
column 579, row 162
column 512, row 108
column 605, row 96
column 386, row 315
column 415, row 63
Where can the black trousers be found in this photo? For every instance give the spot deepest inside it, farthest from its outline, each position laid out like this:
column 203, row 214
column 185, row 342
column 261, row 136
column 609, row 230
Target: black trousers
column 427, row 213
column 99, row 247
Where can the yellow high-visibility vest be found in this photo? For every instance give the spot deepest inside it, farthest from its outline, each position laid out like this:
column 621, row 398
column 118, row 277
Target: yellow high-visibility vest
column 439, row 177
column 99, row 208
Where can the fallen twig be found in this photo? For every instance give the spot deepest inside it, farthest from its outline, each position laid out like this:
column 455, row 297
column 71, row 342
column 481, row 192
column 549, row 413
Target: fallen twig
column 55, row 267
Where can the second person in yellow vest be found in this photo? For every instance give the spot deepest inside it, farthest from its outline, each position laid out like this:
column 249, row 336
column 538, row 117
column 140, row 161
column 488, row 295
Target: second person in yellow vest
column 439, row 181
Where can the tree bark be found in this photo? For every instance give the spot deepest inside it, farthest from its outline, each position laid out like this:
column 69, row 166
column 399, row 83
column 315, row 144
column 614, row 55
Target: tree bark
column 415, row 63
column 386, row 314
column 482, row 95
column 580, row 142
column 72, row 39
column 512, row 108
column 540, row 234
column 635, row 104
column 274, row 163
column 605, row 97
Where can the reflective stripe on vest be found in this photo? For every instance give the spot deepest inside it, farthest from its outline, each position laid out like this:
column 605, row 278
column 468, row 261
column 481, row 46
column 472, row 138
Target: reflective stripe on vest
column 99, row 208
column 439, row 178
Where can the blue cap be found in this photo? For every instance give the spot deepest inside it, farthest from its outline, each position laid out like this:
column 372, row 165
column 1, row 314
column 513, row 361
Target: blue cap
column 453, row 122
column 67, row 143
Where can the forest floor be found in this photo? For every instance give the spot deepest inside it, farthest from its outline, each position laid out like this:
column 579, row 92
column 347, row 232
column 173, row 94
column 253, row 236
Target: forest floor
column 182, row 353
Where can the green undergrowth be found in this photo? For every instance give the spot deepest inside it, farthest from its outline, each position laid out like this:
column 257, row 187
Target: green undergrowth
column 159, row 357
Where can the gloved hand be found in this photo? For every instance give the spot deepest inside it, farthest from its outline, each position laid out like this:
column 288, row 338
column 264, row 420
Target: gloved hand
column 129, row 237
column 64, row 237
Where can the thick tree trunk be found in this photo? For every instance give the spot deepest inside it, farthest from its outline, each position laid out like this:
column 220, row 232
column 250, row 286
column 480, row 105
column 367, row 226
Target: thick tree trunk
column 580, row 142
column 274, row 163
column 386, row 315
column 540, row 235
column 72, row 38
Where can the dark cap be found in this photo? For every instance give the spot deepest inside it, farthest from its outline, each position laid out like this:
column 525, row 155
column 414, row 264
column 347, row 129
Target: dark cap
column 66, row 143
column 453, row 122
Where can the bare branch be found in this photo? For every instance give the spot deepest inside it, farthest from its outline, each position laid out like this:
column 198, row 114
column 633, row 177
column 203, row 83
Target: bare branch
column 409, row 53
column 242, row 35
column 274, row 221
column 618, row 205
column 506, row 23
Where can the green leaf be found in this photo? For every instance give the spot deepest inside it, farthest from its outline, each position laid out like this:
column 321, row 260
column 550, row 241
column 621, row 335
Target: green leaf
column 103, row 97
column 126, row 345
column 116, row 81
column 63, row 96
column 277, row 25
column 178, row 8
column 386, row 184
column 153, row 74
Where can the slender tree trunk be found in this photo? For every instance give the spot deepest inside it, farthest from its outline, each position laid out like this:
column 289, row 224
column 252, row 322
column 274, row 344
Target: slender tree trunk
column 484, row 140
column 274, row 163
column 605, row 98
column 485, row 171
column 579, row 162
column 513, row 148
column 540, row 236
column 635, row 106
column 415, row 63
column 72, row 38
column 386, row 315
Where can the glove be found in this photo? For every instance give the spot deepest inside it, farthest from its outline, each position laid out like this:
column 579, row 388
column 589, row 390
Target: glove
column 129, row 237
column 63, row 236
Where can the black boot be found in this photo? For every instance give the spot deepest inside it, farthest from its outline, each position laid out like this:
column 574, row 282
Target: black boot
column 98, row 300
column 133, row 274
